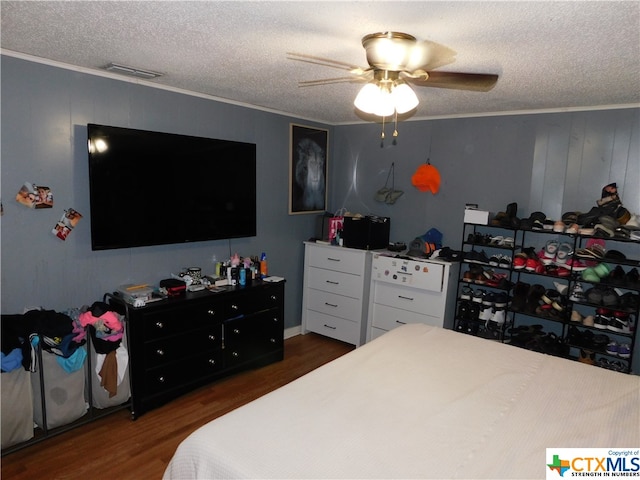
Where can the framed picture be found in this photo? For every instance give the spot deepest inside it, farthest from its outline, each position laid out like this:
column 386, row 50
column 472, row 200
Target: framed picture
column 308, row 161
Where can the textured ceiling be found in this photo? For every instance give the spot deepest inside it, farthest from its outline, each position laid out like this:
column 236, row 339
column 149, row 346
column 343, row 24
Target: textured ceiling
column 549, row 55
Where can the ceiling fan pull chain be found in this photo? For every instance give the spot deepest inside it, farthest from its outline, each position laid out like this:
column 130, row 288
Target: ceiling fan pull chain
column 395, row 129
column 382, row 134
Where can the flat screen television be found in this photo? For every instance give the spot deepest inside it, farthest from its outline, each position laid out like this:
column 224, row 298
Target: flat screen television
column 151, row 188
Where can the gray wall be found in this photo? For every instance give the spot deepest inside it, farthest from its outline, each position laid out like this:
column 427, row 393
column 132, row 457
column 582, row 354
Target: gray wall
column 553, row 162
column 44, row 115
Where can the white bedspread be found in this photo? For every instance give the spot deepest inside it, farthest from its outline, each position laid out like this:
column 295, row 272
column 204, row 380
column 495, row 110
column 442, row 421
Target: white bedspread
column 419, row 402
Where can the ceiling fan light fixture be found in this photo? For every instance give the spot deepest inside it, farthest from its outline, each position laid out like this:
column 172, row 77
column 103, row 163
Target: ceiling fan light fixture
column 404, row 98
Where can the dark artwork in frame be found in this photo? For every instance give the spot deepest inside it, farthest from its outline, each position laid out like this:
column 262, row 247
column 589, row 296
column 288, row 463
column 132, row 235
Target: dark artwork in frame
column 308, row 163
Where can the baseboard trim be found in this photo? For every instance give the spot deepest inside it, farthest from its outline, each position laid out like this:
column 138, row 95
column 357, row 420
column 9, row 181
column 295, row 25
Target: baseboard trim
column 292, row 331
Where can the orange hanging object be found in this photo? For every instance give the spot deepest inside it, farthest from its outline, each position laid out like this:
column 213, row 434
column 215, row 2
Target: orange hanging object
column 426, row 178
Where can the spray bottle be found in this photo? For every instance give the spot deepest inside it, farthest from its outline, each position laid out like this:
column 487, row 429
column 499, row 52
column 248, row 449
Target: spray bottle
column 264, row 272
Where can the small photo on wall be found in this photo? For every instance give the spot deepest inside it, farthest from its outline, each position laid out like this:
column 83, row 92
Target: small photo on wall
column 35, row 196
column 67, row 222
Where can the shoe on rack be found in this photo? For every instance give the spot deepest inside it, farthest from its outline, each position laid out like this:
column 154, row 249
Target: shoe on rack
column 588, row 321
column 624, row 350
column 550, row 296
column 576, row 316
column 572, row 229
column 563, row 253
column 548, row 254
column 619, row 322
column 478, row 295
column 534, row 265
column 486, row 313
column 559, row 226
column 519, row 300
column 589, row 275
column 602, row 270
column 594, row 295
column 602, row 318
column 587, row 356
column 573, row 264
column 520, row 261
column 466, row 293
column 498, row 318
column 577, row 293
column 463, row 310
column 534, row 296
column 612, row 348
column 610, row 298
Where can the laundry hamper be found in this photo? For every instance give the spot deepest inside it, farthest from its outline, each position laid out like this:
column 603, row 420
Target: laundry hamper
column 100, row 397
column 63, row 391
column 16, row 407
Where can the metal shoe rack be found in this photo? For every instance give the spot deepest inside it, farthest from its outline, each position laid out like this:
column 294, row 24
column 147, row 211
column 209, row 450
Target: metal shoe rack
column 551, row 331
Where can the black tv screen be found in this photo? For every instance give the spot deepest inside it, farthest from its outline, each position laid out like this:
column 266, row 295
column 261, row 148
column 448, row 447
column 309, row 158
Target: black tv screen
column 151, row 188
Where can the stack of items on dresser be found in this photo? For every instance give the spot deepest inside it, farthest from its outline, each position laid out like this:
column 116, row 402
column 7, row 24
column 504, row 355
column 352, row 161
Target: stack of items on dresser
column 58, row 339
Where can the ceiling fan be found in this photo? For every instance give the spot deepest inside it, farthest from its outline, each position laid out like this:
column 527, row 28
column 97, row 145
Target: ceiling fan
column 395, row 60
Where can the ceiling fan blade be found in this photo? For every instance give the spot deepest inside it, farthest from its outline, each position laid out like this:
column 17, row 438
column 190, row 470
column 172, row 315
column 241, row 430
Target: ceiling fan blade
column 477, row 82
column 326, row 62
column 328, row 81
column 428, row 55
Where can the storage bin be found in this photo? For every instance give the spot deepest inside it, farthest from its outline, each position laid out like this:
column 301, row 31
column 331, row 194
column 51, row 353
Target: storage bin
column 100, row 396
column 17, row 407
column 63, row 391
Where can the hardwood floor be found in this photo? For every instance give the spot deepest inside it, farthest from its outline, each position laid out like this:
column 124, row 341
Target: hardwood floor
column 115, row 447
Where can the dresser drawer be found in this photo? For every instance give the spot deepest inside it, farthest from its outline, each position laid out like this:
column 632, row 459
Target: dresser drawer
column 338, row 328
column 420, row 301
column 337, row 258
column 171, row 321
column 248, row 302
column 171, row 349
column 335, row 305
column 388, row 318
column 335, row 282
column 177, row 374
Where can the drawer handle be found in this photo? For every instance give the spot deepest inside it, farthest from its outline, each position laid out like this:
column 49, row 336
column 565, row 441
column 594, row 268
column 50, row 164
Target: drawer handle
column 405, row 298
column 212, row 337
column 401, row 323
column 212, row 361
column 211, row 312
column 161, row 379
column 159, row 324
column 333, row 259
column 332, row 283
column 160, row 352
column 329, row 326
column 234, row 307
column 330, row 305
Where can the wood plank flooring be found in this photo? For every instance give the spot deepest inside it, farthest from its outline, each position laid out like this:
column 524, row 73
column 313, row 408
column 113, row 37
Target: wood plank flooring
column 115, row 447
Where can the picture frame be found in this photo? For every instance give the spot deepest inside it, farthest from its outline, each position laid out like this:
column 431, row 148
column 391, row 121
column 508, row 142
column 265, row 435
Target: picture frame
column 308, row 169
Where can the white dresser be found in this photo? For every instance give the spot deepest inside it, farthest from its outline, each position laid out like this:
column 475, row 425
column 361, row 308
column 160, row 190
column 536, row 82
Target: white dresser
column 335, row 296
column 410, row 291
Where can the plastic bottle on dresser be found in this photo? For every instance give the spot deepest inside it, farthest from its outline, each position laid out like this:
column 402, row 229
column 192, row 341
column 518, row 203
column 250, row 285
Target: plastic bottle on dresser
column 264, row 271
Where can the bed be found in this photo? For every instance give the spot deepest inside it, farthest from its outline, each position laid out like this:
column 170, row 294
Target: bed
column 419, row 402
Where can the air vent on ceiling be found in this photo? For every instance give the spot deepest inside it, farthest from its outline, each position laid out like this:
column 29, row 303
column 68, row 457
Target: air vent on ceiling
column 132, row 71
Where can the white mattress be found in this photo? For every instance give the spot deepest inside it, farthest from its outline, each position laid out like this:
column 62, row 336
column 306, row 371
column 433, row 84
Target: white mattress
column 419, row 402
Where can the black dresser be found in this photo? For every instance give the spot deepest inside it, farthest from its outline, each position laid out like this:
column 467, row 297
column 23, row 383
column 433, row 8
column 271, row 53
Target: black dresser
column 179, row 344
